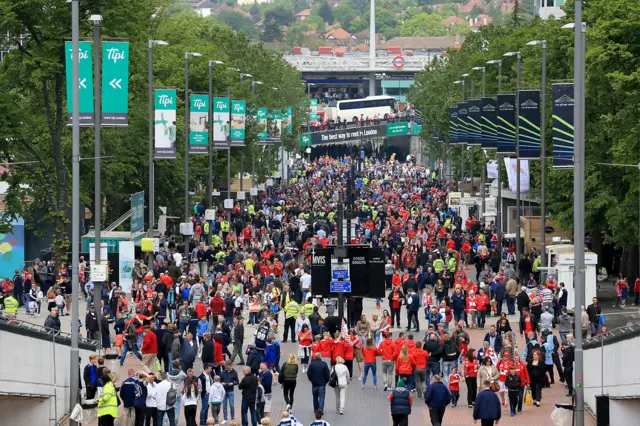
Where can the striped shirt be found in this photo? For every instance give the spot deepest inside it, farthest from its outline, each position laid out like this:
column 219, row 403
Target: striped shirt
column 547, row 295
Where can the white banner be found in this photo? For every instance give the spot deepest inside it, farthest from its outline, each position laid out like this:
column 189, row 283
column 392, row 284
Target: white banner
column 511, row 166
column 492, row 169
column 127, row 259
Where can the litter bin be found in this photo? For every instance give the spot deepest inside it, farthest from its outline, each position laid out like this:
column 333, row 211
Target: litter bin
column 562, row 415
column 112, row 363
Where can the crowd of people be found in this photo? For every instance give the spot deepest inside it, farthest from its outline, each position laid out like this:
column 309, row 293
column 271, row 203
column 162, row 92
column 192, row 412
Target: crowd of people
column 250, row 269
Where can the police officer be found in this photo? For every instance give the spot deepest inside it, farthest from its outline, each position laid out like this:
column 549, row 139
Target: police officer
column 291, row 310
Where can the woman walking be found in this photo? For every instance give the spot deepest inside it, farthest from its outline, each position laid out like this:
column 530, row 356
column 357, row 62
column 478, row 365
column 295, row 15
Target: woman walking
column 342, row 372
column 190, row 401
column 471, row 365
column 404, row 366
column 537, row 375
column 288, row 378
column 304, row 346
column 369, row 352
column 487, row 372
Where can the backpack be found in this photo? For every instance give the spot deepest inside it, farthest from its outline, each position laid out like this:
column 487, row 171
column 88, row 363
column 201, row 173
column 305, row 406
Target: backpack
column 172, row 397
column 333, row 378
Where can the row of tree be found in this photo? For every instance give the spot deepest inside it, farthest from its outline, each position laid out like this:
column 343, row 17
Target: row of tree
column 33, row 114
column 612, row 110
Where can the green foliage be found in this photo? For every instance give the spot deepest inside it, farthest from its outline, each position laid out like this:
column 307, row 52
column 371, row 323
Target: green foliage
column 33, row 112
column 344, row 14
column 612, row 109
column 423, row 25
column 238, row 22
column 449, row 9
column 323, row 10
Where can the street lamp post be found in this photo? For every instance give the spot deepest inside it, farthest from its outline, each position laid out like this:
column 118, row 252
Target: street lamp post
column 499, row 160
column 543, row 154
column 580, row 29
column 253, row 156
column 74, row 358
column 462, row 145
column 151, row 130
column 186, row 145
column 483, row 171
column 229, row 141
column 309, row 117
column 210, row 117
column 518, row 245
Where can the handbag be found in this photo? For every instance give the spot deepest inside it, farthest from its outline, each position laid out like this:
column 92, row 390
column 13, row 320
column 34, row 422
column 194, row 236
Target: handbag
column 527, row 397
column 333, row 378
column 495, row 386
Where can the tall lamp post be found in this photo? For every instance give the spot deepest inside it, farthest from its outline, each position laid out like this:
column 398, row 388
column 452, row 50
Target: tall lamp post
column 186, row 145
column 242, row 76
column 499, row 160
column 462, row 144
column 309, row 117
column 229, row 141
column 543, row 153
column 483, row 171
column 254, row 181
column 518, row 246
column 150, row 45
column 210, row 118
column 580, row 30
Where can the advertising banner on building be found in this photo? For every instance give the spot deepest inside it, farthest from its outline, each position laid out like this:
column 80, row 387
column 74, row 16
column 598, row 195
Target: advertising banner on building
column 165, row 124
column 238, row 122
column 115, row 83
column 343, row 135
column 563, row 127
column 221, row 125
column 463, row 115
column 492, row 169
column 262, row 122
column 489, row 125
column 85, row 82
column 313, row 111
column 474, row 125
column 511, row 164
column 506, row 120
column 453, row 125
column 529, row 125
column 137, row 212
column 198, row 124
column 126, row 253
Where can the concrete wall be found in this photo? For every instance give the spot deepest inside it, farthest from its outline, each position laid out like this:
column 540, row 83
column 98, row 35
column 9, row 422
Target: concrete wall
column 38, row 369
column 621, row 379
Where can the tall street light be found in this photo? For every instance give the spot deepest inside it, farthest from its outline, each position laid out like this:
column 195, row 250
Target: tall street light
column 242, row 76
column 150, row 45
column 580, row 30
column 483, row 171
column 543, row 153
column 470, row 147
column 229, row 141
column 309, row 117
column 463, row 145
column 254, row 83
column 186, row 145
column 97, row 127
column 74, row 358
column 518, row 246
column 210, row 118
column 499, row 160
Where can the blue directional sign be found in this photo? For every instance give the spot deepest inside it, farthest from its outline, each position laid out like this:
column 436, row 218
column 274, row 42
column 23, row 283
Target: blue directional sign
column 340, row 274
column 362, row 154
column 340, row 287
column 359, row 184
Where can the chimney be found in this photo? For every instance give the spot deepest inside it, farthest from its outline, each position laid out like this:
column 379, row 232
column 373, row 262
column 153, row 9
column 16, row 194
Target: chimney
column 457, row 38
column 350, row 44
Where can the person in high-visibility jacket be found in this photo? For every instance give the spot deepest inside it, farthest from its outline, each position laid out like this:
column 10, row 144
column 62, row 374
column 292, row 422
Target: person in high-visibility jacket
column 451, row 265
column 291, row 310
column 308, row 308
column 107, row 403
column 438, row 265
column 225, row 226
column 10, row 306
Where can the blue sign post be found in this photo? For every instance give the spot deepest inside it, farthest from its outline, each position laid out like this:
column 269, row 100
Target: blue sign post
column 359, row 184
column 340, row 287
column 362, row 154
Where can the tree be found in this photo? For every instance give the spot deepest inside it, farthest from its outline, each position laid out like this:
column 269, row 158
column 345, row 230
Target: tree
column 447, row 10
column 459, row 27
column 344, row 14
column 238, row 22
column 272, row 30
column 324, row 11
column 280, row 14
column 423, row 25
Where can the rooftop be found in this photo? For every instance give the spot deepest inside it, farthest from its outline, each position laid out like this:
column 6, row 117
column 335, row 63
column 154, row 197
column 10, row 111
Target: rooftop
column 422, row 42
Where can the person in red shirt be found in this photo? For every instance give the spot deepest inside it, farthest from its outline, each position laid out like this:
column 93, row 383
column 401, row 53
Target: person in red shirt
column 483, row 306
column 636, row 290
column 405, row 365
column 454, row 386
column 304, row 341
column 369, row 353
column 201, row 309
column 149, row 348
column 337, row 349
column 420, row 356
column 521, row 370
column 325, row 347
column 503, row 368
column 470, row 367
column 395, row 303
column 387, row 349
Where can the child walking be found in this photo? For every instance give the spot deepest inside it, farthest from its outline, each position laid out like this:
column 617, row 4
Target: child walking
column 454, row 386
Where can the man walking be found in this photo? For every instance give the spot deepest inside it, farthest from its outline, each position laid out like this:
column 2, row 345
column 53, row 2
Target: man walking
column 401, row 401
column 437, row 398
column 249, row 388
column 487, row 407
column 237, row 339
column 318, row 375
column 149, row 349
column 594, row 311
column 166, row 397
column 413, row 305
column 128, row 397
column 229, row 379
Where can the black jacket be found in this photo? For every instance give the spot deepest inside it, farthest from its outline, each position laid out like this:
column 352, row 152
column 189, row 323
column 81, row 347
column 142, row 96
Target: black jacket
column 593, row 311
column 318, row 373
column 400, row 294
column 450, row 351
column 513, row 382
column 435, row 350
column 249, row 387
column 253, row 360
column 568, row 357
column 91, row 321
column 207, row 351
column 238, row 333
column 523, row 300
column 229, row 377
